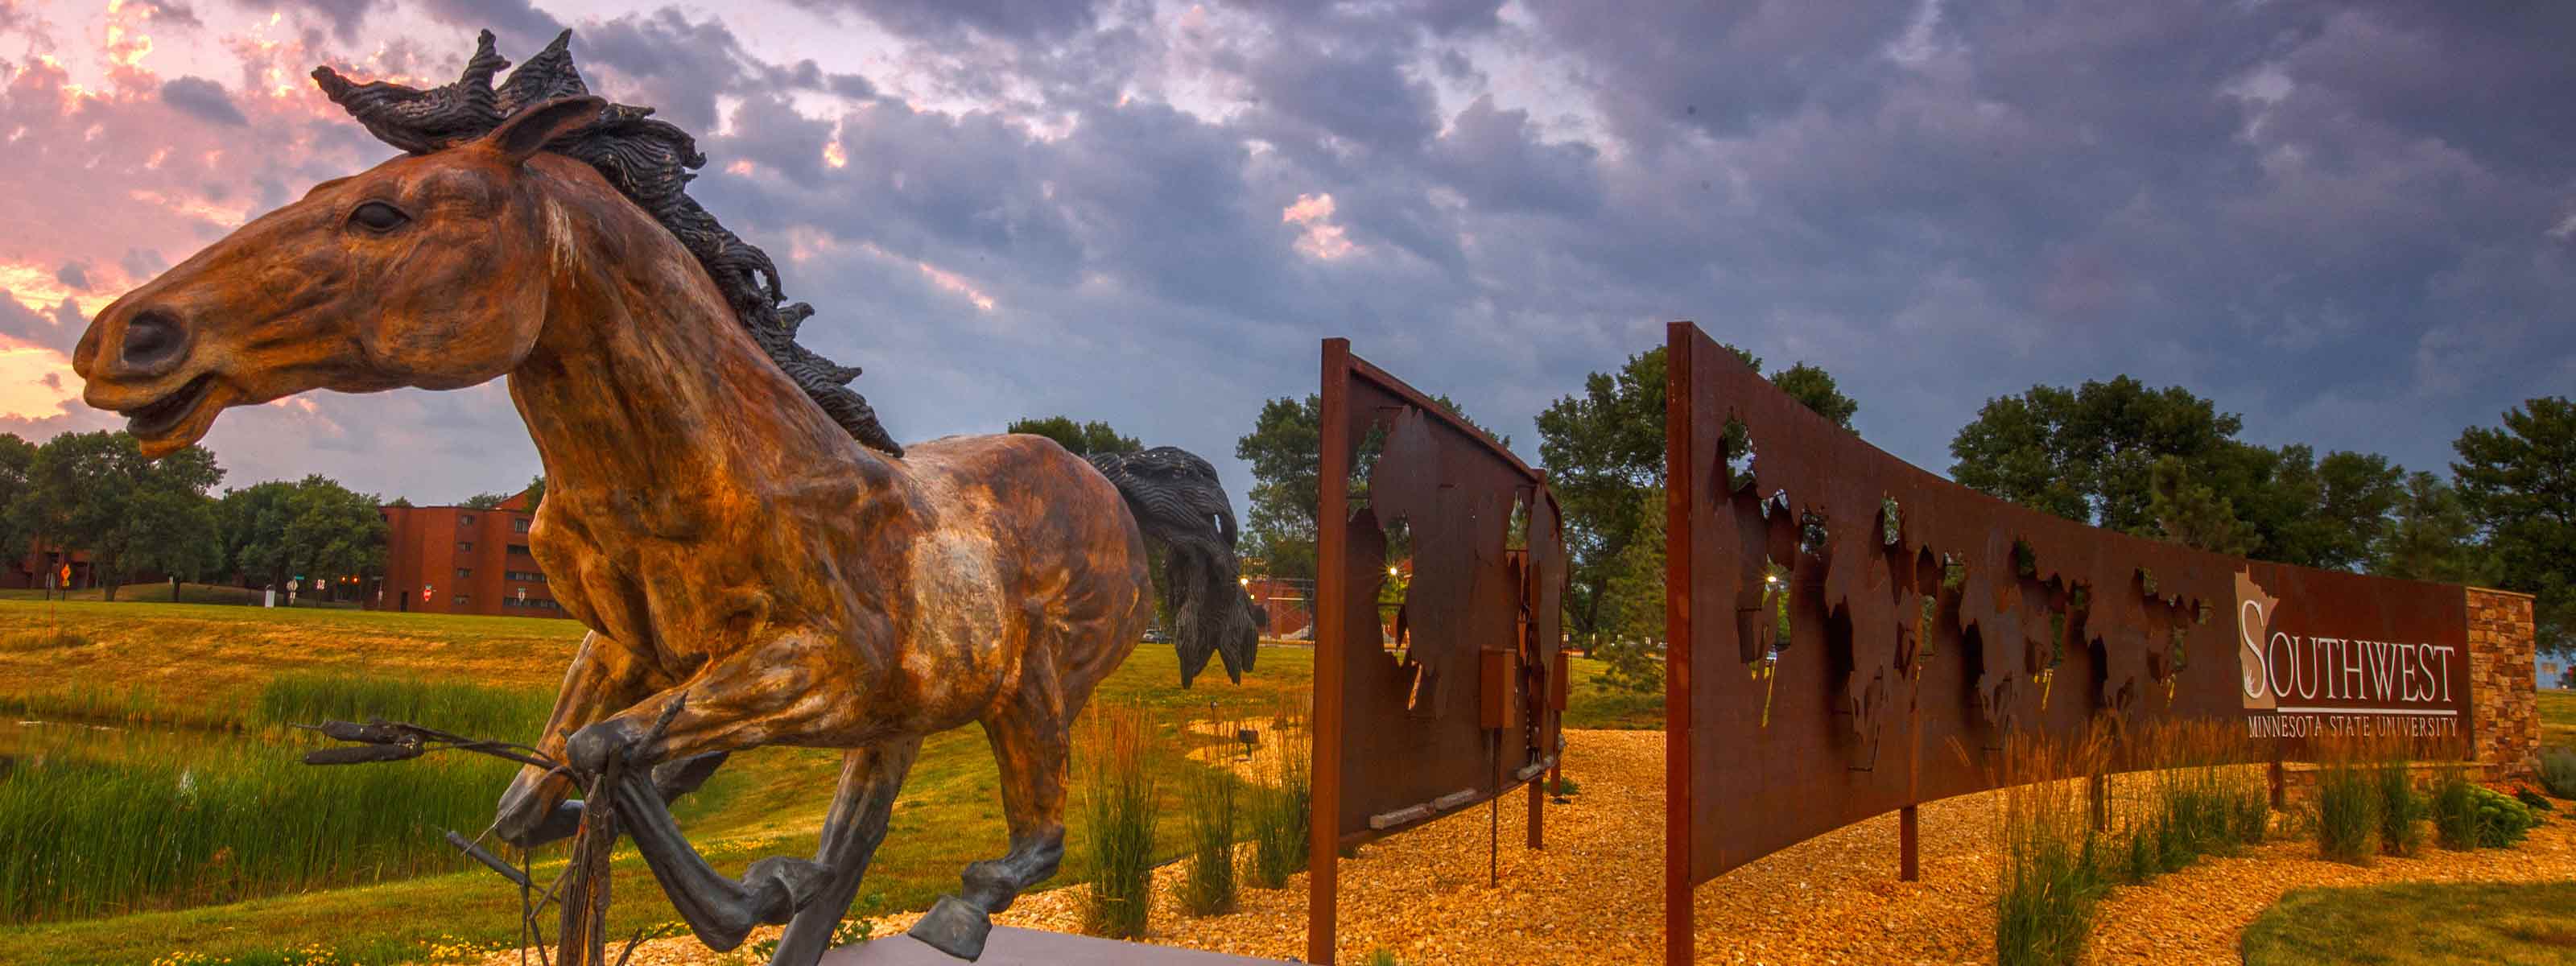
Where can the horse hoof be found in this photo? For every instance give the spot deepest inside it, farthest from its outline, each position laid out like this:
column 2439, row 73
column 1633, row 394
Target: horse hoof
column 954, row 926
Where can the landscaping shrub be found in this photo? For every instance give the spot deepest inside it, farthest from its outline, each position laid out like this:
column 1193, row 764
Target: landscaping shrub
column 2467, row 815
column 2401, row 811
column 2347, row 810
column 2558, row 771
column 1279, row 819
column 1118, row 812
column 2502, row 822
column 1207, row 883
column 2537, row 801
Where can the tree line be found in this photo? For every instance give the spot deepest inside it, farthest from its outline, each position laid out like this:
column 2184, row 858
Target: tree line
column 94, row 493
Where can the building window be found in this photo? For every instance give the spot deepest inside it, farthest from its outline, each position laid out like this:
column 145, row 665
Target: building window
column 464, row 546
column 465, row 519
column 528, row 576
column 460, row 600
column 464, row 573
column 520, row 524
column 519, row 548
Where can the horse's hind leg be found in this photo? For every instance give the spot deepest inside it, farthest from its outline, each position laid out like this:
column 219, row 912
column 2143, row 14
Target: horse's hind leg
column 1031, row 746
column 870, row 779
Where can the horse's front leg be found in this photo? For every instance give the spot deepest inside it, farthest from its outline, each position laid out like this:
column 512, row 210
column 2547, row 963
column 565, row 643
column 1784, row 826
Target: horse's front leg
column 794, row 686
column 604, row 678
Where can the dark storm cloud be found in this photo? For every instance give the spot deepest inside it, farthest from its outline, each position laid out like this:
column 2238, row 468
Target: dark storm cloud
column 344, row 16
column 670, row 63
column 169, row 12
column 19, row 323
column 142, row 263
column 512, row 22
column 1014, row 20
column 202, row 99
column 2351, row 222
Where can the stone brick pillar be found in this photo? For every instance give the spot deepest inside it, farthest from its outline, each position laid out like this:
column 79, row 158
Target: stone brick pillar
column 2505, row 727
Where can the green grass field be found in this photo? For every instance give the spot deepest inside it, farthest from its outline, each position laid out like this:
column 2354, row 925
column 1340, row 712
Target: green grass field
column 207, row 667
column 2558, row 718
column 2418, row 923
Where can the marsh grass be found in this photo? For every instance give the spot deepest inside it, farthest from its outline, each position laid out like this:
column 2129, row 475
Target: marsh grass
column 1119, row 816
column 456, row 706
column 1209, row 810
column 172, row 823
column 1280, row 825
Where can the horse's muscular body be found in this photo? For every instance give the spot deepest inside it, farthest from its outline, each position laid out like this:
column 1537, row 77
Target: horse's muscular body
column 735, row 538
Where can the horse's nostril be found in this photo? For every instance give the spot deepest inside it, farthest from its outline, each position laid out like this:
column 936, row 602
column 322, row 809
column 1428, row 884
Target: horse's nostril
column 153, row 339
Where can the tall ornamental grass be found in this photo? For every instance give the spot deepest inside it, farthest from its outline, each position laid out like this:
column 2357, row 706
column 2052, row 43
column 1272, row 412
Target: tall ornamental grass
column 1280, row 824
column 1208, row 880
column 2347, row 807
column 1118, row 812
column 2401, row 810
column 2051, row 878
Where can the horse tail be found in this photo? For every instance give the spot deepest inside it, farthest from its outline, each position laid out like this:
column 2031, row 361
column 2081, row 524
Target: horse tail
column 1185, row 515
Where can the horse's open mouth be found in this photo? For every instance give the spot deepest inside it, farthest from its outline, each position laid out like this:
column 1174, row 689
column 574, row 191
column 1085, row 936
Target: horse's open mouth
column 152, row 419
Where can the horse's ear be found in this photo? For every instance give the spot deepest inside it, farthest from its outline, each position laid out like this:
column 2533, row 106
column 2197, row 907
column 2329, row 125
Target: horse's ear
column 528, row 131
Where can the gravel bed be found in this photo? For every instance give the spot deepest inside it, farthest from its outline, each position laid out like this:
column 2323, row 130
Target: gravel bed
column 1595, row 894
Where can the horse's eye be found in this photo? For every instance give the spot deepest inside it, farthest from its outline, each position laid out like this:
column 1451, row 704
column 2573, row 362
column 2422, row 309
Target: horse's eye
column 378, row 216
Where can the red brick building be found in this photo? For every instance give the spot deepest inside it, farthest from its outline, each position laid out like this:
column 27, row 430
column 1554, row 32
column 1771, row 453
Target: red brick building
column 27, row 571
column 460, row 560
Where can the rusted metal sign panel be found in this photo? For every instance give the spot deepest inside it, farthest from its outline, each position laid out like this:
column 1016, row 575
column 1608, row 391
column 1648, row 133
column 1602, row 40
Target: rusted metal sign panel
column 1839, row 619
column 1443, row 699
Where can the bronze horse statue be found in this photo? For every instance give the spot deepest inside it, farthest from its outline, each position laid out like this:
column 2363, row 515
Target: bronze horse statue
column 757, row 561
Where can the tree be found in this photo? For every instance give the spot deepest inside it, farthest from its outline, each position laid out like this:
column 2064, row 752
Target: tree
column 1631, row 616
column 312, row 528
column 1285, row 449
column 484, row 501
column 95, row 492
column 16, row 456
column 2189, row 512
column 2518, row 482
column 1604, row 452
column 2434, row 538
column 536, row 492
column 2166, row 463
column 1082, row 439
column 2088, row 454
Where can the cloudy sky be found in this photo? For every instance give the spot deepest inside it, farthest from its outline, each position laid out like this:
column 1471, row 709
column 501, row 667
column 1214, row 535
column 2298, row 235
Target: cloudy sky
column 2351, row 222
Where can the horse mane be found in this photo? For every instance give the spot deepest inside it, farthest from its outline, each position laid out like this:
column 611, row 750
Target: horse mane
column 649, row 162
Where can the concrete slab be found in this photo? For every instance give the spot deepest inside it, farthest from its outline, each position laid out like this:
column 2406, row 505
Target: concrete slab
column 1030, row 947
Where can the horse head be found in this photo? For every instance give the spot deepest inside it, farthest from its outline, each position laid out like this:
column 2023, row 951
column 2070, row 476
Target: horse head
column 426, row 271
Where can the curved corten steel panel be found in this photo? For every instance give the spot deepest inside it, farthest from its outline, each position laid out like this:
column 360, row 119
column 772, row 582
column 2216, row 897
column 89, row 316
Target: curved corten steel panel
column 1459, row 706
column 1886, row 664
